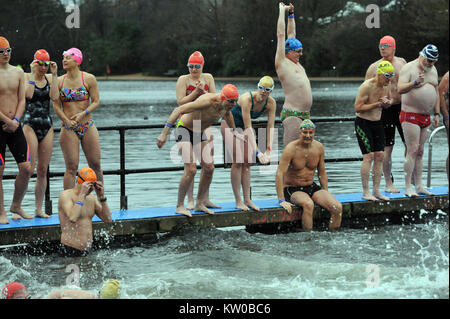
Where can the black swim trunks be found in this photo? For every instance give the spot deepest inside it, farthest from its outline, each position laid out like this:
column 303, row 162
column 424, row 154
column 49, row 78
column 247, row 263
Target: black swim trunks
column 310, row 190
column 67, row 251
column 370, row 135
column 391, row 120
column 17, row 144
column 183, row 134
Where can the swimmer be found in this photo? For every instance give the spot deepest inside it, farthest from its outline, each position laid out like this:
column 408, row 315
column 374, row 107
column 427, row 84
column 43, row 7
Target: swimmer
column 295, row 179
column 12, row 106
column 418, row 85
column 110, row 290
column 250, row 106
column 190, row 134
column 373, row 96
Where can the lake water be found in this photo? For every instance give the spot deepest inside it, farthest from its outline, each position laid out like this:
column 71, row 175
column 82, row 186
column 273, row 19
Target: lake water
column 410, row 261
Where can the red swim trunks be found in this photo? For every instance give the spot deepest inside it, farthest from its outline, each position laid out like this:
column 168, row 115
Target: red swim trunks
column 419, row 119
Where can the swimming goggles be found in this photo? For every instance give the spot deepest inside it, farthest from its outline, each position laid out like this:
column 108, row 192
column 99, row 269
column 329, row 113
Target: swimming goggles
column 387, row 75
column 42, row 63
column 7, row 50
column 298, row 50
column 194, row 66
column 381, row 46
column 264, row 88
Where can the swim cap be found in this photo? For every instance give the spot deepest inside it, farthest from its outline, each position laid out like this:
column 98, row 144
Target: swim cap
column 110, row 289
column 267, row 82
column 10, row 289
column 307, row 125
column 385, row 67
column 76, row 54
column 196, row 58
column 86, row 174
column 292, row 44
column 387, row 39
column 229, row 92
column 41, row 55
column 430, row 52
column 4, row 43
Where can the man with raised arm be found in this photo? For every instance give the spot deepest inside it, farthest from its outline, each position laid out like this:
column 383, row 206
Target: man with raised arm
column 197, row 116
column 292, row 75
column 295, row 179
column 390, row 116
column 418, row 85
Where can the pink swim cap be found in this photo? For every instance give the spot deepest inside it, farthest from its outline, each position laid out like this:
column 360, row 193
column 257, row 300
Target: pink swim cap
column 76, row 54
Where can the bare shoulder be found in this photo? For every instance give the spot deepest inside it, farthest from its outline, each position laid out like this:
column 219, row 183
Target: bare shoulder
column 89, row 76
column 318, row 146
column 208, row 76
column 271, row 103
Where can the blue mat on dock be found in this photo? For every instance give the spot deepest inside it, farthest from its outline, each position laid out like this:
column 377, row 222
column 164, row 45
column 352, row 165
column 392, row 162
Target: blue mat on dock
column 145, row 213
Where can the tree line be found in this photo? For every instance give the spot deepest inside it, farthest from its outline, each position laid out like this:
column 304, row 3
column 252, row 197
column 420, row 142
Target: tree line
column 237, row 38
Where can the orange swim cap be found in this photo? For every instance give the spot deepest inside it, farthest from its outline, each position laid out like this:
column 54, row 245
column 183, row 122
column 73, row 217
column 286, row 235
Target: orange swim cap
column 196, row 58
column 387, row 39
column 10, row 289
column 41, row 55
column 4, row 43
column 86, row 174
column 229, row 92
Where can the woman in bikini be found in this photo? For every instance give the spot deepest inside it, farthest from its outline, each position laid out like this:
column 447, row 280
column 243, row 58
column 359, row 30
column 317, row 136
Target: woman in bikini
column 79, row 97
column 250, row 106
column 37, row 123
column 189, row 88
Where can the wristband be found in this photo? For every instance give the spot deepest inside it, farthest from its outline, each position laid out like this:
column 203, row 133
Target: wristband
column 102, row 200
column 169, row 125
column 17, row 119
column 269, row 148
column 446, row 118
column 415, row 83
column 291, row 16
column 281, row 201
column 257, row 152
column 79, row 203
column 32, row 82
column 87, row 112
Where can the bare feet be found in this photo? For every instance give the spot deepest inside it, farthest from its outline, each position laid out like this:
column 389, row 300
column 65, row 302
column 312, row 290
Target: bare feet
column 242, row 206
column 370, row 197
column 391, row 189
column 252, row 205
column 410, row 193
column 190, row 204
column 210, row 204
column 203, row 208
column 40, row 214
column 424, row 191
column 3, row 219
column 183, row 211
column 19, row 213
column 380, row 196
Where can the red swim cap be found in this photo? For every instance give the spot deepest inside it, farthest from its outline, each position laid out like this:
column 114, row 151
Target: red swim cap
column 86, row 174
column 4, row 43
column 387, row 39
column 196, row 58
column 41, row 55
column 10, row 289
column 229, row 92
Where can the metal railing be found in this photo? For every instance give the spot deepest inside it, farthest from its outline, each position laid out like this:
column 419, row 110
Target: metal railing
column 122, row 171
column 430, row 152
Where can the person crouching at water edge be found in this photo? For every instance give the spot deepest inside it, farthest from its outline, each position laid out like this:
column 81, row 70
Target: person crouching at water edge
column 295, row 179
column 373, row 96
column 74, row 109
column 76, row 207
column 194, row 145
column 242, row 151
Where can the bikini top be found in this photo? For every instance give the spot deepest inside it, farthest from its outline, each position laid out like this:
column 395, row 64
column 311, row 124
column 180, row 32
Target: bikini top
column 74, row 95
column 191, row 89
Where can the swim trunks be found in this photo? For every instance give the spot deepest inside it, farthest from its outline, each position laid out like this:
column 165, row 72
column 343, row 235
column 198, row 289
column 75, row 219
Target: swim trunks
column 183, row 134
column 370, row 135
column 288, row 113
column 37, row 111
column 423, row 120
column 310, row 190
column 67, row 251
column 391, row 120
column 17, row 144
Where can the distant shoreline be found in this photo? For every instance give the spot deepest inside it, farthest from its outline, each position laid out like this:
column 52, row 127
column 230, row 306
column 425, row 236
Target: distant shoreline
column 141, row 77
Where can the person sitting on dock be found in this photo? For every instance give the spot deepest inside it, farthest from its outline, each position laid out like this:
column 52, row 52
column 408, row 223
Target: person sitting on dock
column 189, row 132
column 76, row 207
column 295, row 179
column 373, row 96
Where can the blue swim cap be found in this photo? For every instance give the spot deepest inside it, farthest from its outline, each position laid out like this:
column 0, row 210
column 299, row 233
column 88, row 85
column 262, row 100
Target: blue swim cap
column 292, row 44
column 430, row 52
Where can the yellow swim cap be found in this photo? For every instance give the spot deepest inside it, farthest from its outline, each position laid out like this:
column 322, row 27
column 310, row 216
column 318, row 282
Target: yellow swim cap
column 267, row 82
column 110, row 289
column 385, row 67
